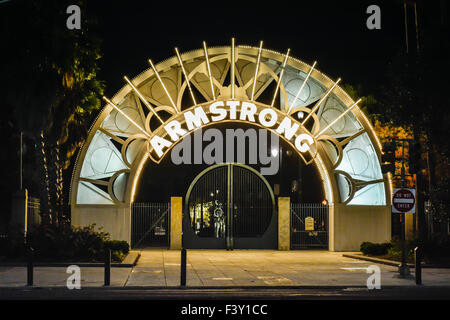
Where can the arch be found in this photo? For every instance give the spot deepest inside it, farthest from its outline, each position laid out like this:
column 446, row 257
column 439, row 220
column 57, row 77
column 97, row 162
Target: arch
column 169, row 90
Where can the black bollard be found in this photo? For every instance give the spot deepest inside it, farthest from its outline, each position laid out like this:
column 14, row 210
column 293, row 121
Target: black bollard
column 107, row 267
column 30, row 266
column 183, row 268
column 418, row 266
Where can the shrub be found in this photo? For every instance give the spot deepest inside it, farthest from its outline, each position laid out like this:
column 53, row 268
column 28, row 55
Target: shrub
column 375, row 249
column 118, row 245
column 66, row 243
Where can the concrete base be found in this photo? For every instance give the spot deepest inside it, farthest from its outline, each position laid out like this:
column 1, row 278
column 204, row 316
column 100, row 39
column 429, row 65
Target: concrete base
column 19, row 211
column 176, row 216
column 352, row 225
column 116, row 220
column 284, row 223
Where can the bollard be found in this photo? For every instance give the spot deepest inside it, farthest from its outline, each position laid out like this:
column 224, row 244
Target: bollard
column 183, row 268
column 418, row 266
column 107, row 267
column 30, row 266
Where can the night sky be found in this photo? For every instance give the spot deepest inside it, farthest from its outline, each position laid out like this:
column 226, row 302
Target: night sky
column 331, row 32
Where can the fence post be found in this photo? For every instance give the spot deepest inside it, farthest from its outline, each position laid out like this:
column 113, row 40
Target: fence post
column 30, row 266
column 183, row 268
column 107, row 267
column 418, row 266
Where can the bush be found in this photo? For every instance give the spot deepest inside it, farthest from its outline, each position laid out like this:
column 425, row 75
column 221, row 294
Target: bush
column 66, row 243
column 375, row 249
column 118, row 245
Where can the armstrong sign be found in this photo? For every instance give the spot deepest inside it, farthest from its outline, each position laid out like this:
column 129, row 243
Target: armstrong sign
column 225, row 111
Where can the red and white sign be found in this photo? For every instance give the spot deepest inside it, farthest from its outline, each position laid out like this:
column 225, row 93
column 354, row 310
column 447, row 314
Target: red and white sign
column 404, row 200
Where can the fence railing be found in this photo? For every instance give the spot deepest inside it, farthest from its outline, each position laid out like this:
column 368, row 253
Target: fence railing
column 150, row 224
column 309, row 225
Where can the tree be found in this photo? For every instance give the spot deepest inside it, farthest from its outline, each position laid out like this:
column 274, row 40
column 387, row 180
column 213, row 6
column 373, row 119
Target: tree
column 50, row 85
column 415, row 96
column 386, row 130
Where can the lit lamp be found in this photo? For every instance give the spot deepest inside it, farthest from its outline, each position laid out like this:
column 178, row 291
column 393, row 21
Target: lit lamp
column 274, row 152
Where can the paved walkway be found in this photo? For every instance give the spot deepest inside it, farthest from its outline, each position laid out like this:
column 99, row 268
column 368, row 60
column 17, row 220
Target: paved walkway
column 161, row 268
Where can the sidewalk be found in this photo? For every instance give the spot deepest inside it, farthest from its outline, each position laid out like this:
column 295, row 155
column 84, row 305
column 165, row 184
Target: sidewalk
column 238, row 268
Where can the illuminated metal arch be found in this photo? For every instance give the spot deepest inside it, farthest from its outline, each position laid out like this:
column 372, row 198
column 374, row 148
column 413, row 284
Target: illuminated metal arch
column 115, row 151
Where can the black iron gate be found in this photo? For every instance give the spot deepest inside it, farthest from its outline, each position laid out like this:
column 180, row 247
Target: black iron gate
column 309, row 226
column 150, row 225
column 230, row 206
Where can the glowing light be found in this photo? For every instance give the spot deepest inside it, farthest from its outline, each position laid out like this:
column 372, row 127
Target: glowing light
column 302, row 86
column 274, row 152
column 337, row 119
column 185, row 76
column 209, row 70
column 143, row 99
column 137, row 176
column 281, row 76
column 321, row 100
column 257, row 69
column 126, row 116
column 162, row 84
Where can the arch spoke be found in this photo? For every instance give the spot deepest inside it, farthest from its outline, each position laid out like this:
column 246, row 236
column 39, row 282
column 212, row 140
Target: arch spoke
column 163, row 85
column 320, row 101
column 185, row 76
column 149, row 106
column 302, row 86
column 280, row 77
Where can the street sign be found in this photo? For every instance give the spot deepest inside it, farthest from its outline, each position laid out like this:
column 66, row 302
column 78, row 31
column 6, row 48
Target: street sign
column 404, row 200
column 309, row 224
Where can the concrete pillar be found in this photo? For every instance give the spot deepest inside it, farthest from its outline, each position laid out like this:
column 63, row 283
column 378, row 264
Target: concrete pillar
column 284, row 223
column 409, row 226
column 176, row 217
column 19, row 211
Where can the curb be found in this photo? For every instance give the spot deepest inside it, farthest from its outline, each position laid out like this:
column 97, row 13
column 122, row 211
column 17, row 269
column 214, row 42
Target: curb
column 129, row 262
column 393, row 263
column 378, row 260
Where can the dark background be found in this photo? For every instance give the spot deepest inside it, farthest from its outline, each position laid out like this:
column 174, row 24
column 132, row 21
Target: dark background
column 332, row 32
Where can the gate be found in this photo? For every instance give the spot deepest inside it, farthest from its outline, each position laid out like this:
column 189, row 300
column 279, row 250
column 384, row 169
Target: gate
column 150, row 225
column 230, row 206
column 309, row 226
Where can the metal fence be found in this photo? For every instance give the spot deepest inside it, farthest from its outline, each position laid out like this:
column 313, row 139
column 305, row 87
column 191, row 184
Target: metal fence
column 309, row 225
column 150, row 225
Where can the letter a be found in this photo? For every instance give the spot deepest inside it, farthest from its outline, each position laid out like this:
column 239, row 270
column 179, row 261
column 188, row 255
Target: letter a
column 374, row 280
column 74, row 20
column 374, row 20
column 74, row 280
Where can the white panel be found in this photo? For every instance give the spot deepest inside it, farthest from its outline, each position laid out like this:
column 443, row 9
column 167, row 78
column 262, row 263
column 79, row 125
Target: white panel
column 117, row 124
column 361, row 162
column 119, row 186
column 360, row 159
column 102, row 158
column 345, row 126
column 90, row 194
column 372, row 194
column 133, row 149
column 292, row 81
